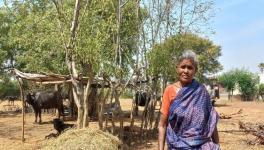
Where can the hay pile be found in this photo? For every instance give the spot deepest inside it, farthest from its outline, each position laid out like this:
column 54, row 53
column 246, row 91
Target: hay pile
column 83, row 139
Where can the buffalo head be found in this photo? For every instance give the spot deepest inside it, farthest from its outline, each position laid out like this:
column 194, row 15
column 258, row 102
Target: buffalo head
column 30, row 98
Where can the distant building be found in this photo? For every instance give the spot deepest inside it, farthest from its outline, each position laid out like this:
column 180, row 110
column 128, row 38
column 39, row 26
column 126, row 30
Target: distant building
column 236, row 90
column 261, row 78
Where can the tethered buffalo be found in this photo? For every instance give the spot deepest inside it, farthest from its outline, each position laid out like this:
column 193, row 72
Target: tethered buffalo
column 142, row 98
column 60, row 126
column 45, row 100
column 11, row 99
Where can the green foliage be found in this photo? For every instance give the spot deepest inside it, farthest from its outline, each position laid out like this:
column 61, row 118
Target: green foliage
column 39, row 32
column 6, row 49
column 36, row 33
column 247, row 84
column 163, row 57
column 8, row 87
column 127, row 94
column 261, row 67
column 228, row 80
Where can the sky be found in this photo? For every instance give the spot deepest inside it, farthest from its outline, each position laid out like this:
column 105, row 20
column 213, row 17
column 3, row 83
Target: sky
column 239, row 27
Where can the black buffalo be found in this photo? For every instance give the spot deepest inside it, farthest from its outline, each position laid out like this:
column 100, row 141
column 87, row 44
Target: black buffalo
column 142, row 98
column 45, row 100
column 60, row 126
column 11, row 99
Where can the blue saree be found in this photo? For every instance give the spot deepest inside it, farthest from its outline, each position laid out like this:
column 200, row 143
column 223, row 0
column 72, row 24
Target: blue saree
column 192, row 120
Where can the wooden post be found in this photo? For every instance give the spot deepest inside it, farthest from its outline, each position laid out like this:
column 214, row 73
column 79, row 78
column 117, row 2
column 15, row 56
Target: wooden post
column 56, row 87
column 70, row 95
column 23, row 107
column 57, row 113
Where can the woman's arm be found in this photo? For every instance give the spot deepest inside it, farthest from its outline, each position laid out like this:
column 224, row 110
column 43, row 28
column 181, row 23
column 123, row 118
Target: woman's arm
column 215, row 136
column 162, row 131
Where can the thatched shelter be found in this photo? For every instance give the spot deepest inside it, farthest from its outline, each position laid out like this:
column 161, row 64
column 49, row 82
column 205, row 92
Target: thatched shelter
column 48, row 78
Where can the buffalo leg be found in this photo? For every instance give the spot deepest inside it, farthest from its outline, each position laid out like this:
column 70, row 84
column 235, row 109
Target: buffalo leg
column 36, row 116
column 39, row 116
column 61, row 112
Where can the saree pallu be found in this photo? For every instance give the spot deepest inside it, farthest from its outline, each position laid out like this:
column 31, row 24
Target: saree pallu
column 192, row 120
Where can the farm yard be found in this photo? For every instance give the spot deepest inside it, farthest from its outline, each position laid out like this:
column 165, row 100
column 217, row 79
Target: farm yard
column 231, row 137
column 106, row 66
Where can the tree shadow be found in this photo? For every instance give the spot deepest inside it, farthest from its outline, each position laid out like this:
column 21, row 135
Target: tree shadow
column 221, row 105
column 45, row 122
column 134, row 138
column 137, row 139
column 5, row 114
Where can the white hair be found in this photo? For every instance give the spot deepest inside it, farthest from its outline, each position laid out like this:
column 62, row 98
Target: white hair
column 189, row 54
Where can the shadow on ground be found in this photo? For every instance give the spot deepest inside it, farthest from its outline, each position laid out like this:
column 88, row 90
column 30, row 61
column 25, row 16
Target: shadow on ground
column 9, row 113
column 221, row 105
column 134, row 139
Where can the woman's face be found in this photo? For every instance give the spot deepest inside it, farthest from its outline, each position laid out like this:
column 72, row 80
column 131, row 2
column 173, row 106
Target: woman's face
column 186, row 71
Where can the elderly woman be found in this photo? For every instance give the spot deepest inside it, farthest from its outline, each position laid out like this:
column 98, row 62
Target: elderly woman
column 188, row 119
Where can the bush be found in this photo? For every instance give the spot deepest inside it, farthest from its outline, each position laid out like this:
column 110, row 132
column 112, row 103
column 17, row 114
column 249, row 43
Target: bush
column 9, row 87
column 247, row 82
column 228, row 80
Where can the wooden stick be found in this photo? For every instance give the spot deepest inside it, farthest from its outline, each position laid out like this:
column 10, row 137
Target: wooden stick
column 23, row 107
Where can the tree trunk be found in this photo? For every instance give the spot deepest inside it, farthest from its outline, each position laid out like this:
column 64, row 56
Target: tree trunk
column 101, row 106
column 77, row 86
column 86, row 96
column 133, row 111
column 100, row 115
column 80, row 117
column 72, row 104
column 79, row 94
column 78, row 98
column 118, row 112
column 86, row 113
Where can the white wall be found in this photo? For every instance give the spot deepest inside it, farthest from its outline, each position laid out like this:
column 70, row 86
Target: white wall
column 236, row 90
column 261, row 78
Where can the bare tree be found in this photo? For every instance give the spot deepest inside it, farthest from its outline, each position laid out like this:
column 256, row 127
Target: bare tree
column 261, row 67
column 80, row 89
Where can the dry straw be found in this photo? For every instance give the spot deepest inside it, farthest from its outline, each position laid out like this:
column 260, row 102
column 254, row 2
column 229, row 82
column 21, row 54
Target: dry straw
column 83, row 139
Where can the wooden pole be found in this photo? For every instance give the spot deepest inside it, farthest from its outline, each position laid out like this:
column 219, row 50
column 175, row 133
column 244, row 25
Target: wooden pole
column 56, row 88
column 70, row 94
column 23, row 107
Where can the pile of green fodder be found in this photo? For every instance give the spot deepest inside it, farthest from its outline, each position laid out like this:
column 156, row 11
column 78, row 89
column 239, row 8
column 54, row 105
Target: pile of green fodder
column 83, row 139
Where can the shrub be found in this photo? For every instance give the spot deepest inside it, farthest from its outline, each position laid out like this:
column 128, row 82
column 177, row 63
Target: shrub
column 228, row 80
column 247, row 82
column 9, row 87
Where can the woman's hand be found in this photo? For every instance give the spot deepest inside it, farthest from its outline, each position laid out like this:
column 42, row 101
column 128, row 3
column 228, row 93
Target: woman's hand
column 162, row 131
column 215, row 136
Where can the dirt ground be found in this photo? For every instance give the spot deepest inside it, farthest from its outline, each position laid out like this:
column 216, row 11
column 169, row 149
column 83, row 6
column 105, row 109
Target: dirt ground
column 231, row 138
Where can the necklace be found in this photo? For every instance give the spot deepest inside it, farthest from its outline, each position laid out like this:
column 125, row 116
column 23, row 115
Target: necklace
column 177, row 86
